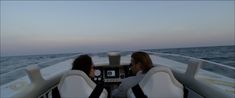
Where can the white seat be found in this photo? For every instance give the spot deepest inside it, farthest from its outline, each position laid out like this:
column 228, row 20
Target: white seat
column 159, row 82
column 76, row 84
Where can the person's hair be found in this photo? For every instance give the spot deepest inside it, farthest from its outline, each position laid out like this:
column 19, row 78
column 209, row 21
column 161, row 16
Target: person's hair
column 144, row 59
column 83, row 63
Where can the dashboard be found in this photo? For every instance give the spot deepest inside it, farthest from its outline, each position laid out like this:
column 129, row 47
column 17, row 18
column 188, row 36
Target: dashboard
column 111, row 74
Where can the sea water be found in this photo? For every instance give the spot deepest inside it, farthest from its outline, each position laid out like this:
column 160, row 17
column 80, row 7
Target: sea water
column 12, row 67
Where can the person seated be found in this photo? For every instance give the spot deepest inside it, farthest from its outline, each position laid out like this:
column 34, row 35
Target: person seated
column 85, row 64
column 159, row 82
column 77, row 83
column 141, row 63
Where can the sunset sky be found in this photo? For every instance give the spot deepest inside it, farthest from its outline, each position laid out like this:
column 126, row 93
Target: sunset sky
column 47, row 27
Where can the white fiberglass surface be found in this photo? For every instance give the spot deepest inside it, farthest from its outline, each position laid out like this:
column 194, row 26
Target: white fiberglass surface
column 220, row 78
column 11, row 88
column 157, row 60
column 218, row 81
column 15, row 86
column 97, row 60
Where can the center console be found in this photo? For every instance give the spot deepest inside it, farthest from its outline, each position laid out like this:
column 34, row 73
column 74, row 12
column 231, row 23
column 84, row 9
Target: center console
column 110, row 74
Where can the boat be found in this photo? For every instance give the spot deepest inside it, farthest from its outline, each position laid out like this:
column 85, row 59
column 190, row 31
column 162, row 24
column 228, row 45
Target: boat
column 198, row 82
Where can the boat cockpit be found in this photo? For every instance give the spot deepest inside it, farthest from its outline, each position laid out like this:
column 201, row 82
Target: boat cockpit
column 111, row 75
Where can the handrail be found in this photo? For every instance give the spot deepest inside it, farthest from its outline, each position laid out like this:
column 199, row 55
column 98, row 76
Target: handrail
column 188, row 78
column 38, row 85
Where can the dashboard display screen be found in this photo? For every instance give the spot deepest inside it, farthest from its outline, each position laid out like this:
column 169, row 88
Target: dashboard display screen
column 111, row 73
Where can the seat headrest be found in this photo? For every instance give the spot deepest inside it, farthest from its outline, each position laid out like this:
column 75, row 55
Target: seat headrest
column 76, row 84
column 159, row 82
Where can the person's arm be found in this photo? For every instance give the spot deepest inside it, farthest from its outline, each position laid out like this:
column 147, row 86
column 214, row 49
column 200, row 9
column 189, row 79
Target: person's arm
column 120, row 92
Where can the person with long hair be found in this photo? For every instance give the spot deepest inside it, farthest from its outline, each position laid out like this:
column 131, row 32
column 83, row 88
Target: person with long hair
column 141, row 63
column 85, row 64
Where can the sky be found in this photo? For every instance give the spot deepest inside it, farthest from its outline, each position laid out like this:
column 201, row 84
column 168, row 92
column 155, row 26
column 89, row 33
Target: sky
column 48, row 27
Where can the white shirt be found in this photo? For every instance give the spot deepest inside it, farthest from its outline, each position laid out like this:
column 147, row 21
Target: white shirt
column 121, row 91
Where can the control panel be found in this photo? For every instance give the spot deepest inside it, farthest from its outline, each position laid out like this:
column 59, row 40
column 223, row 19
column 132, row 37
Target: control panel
column 110, row 74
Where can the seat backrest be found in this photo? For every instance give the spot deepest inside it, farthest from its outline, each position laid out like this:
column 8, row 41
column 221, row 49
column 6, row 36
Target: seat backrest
column 76, row 84
column 159, row 82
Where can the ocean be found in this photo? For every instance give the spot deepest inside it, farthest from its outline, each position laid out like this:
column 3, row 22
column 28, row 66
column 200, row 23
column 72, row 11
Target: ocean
column 12, row 67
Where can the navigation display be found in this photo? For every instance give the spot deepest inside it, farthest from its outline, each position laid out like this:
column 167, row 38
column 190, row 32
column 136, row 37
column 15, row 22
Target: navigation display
column 111, row 73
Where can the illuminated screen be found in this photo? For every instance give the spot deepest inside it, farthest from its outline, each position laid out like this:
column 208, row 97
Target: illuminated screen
column 111, row 73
